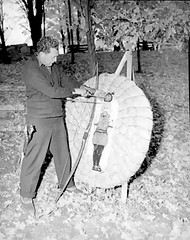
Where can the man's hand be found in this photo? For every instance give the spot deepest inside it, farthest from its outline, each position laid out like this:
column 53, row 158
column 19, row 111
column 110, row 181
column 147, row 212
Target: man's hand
column 87, row 92
column 90, row 90
column 94, row 92
column 80, row 91
column 100, row 94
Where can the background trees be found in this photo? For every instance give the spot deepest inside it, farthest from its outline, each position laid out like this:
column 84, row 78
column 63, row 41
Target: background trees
column 156, row 21
column 72, row 20
column 34, row 10
column 88, row 5
column 107, row 23
column 57, row 20
column 112, row 21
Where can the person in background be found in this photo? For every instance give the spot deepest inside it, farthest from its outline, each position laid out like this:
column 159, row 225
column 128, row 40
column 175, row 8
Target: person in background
column 46, row 130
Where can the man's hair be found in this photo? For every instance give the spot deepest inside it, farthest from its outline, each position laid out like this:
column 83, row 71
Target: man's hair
column 46, row 43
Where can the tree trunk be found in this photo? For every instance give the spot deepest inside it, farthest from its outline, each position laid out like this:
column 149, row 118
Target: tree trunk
column 5, row 58
column 90, row 37
column 71, row 32
column 78, row 27
column 44, row 20
column 62, row 39
column 35, row 21
column 78, row 35
column 68, row 36
column 138, row 57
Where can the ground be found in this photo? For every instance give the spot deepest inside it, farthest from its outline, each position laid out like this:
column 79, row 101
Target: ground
column 158, row 204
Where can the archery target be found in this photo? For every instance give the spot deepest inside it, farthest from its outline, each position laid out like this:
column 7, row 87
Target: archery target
column 129, row 131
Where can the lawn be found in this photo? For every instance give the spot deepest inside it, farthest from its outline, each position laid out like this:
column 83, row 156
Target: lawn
column 158, row 205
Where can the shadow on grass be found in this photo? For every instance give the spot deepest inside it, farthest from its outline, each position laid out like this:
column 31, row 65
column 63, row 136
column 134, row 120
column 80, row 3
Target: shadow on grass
column 156, row 136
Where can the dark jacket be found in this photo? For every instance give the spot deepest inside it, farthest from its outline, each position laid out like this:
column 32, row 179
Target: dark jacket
column 44, row 90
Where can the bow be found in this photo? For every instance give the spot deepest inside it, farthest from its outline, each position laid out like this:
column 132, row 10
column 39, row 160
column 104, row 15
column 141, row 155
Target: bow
column 84, row 139
column 126, row 56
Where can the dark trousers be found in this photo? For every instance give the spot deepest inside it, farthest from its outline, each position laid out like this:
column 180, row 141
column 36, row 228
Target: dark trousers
column 47, row 134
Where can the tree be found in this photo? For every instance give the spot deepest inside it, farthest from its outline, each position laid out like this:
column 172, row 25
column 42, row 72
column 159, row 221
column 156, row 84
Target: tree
column 156, row 21
column 88, row 5
column 34, row 10
column 71, row 32
column 60, row 17
column 132, row 21
column 5, row 58
column 69, row 17
column 57, row 19
column 64, row 20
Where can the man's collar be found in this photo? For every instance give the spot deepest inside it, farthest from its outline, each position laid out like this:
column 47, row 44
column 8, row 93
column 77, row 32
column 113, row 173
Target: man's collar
column 38, row 59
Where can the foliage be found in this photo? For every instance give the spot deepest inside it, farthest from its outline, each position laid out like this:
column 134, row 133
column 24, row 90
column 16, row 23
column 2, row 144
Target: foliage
column 57, row 19
column 156, row 21
column 116, row 22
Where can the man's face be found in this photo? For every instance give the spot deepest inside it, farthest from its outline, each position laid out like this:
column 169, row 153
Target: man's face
column 49, row 58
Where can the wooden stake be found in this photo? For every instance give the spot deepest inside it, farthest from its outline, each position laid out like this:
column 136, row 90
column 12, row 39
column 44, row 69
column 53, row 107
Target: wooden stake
column 124, row 192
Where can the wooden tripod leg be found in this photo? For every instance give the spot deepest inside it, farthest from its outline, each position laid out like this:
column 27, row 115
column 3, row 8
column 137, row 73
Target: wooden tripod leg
column 124, row 189
column 129, row 66
column 122, row 63
column 126, row 57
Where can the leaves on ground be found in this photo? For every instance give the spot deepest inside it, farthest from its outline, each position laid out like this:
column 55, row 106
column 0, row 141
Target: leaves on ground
column 158, row 205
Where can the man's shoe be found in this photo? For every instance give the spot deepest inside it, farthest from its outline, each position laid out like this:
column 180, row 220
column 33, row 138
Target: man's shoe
column 74, row 190
column 28, row 206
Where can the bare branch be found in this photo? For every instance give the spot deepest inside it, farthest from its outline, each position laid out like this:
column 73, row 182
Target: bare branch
column 25, row 3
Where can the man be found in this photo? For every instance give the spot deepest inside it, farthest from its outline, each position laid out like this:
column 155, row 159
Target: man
column 45, row 126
